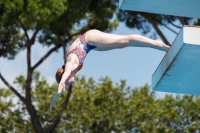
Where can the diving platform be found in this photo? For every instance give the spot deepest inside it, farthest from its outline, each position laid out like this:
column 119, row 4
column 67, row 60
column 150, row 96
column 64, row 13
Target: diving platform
column 179, row 70
column 184, row 8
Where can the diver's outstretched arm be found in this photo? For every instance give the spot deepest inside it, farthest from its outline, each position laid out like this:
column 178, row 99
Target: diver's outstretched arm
column 66, row 74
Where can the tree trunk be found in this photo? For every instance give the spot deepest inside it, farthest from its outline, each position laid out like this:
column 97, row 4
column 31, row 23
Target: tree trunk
column 32, row 112
column 34, row 118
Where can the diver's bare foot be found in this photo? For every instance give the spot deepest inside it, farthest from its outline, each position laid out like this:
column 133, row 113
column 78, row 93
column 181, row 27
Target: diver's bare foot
column 162, row 46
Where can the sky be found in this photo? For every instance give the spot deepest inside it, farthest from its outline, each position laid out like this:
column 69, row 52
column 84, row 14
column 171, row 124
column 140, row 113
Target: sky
column 133, row 64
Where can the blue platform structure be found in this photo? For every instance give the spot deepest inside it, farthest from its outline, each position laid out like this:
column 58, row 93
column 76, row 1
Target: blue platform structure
column 179, row 70
column 184, row 8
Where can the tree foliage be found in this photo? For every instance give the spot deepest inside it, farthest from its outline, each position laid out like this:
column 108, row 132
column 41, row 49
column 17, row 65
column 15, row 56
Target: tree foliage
column 54, row 24
column 102, row 107
column 50, row 23
column 56, row 21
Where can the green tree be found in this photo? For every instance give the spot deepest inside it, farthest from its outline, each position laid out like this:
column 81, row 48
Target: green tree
column 52, row 24
column 102, row 107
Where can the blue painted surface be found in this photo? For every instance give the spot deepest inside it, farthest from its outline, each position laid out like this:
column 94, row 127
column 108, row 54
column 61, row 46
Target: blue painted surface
column 183, row 74
column 120, row 3
column 186, row 8
column 168, row 58
column 179, row 71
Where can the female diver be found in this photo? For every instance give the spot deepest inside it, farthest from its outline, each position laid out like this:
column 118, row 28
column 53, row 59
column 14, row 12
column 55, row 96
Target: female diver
column 97, row 40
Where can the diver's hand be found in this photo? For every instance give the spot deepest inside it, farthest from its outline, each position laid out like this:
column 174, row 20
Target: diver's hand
column 61, row 87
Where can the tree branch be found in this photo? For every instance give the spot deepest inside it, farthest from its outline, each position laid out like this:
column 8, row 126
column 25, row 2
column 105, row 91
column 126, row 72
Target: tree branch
column 62, row 42
column 149, row 17
column 13, row 89
column 34, row 118
column 182, row 21
column 45, row 56
column 2, row 49
column 33, row 37
column 33, row 114
column 64, row 53
column 67, row 30
column 3, row 42
column 57, row 120
column 170, row 29
column 175, row 25
column 83, row 30
column 58, row 36
column 5, row 36
column 25, row 30
column 29, row 72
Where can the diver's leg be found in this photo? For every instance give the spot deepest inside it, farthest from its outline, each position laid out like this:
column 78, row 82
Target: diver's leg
column 113, row 41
